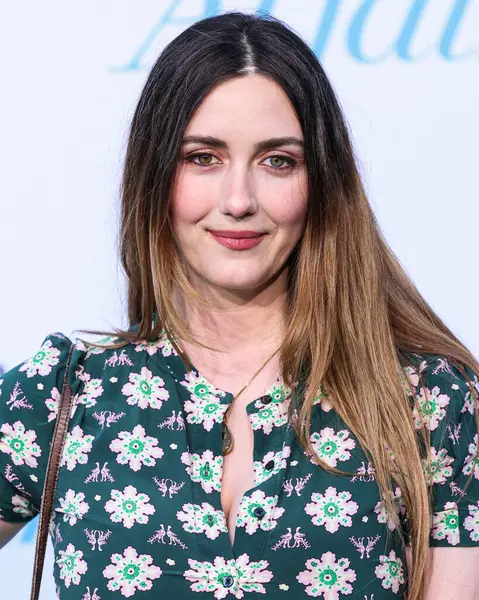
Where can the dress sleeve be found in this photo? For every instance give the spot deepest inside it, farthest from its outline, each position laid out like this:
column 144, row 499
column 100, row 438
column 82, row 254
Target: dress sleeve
column 29, row 395
column 445, row 406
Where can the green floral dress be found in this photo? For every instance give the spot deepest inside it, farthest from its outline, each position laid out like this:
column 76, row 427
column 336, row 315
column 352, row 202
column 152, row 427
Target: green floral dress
column 137, row 511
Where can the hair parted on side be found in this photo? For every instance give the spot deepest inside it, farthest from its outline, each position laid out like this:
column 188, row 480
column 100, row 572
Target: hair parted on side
column 355, row 319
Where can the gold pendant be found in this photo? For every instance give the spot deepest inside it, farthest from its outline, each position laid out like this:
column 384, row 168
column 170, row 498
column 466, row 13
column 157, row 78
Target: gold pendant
column 226, row 439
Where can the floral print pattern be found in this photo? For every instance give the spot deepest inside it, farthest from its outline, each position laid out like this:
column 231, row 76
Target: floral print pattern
column 258, row 511
column 22, row 506
column 204, row 469
column 390, row 571
column 331, row 446
column 92, row 390
column 145, row 389
column 77, row 447
column 131, row 571
column 262, row 468
column 432, row 408
column 72, row 566
column 274, row 415
column 445, row 524
column 140, row 510
column 472, row 461
column 135, row 449
column 43, row 361
column 384, row 516
column 332, row 509
column 327, row 577
column 438, row 467
column 234, row 576
column 129, row 507
column 471, row 522
column 73, row 506
column 52, row 403
column 203, row 519
column 20, row 444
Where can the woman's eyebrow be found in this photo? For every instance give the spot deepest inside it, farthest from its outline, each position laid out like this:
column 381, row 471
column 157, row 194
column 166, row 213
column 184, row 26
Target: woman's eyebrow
column 258, row 147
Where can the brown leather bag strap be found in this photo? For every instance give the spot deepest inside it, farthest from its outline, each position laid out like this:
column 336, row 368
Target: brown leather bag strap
column 51, row 477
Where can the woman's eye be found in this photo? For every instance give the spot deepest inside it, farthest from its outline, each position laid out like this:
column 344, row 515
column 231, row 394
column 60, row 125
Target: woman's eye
column 203, row 159
column 279, row 157
column 199, row 156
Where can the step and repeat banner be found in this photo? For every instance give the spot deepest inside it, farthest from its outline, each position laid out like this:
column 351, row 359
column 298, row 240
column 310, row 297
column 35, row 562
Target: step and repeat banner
column 406, row 73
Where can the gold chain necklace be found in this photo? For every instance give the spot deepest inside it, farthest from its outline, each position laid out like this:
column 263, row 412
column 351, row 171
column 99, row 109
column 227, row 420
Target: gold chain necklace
column 226, row 437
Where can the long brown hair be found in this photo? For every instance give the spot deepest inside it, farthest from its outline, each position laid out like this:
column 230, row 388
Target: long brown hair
column 353, row 313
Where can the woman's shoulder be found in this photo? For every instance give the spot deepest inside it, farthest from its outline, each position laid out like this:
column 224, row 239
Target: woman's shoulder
column 443, row 394
column 434, row 373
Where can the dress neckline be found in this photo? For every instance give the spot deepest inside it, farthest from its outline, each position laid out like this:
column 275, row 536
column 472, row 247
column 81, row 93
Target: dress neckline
column 277, row 391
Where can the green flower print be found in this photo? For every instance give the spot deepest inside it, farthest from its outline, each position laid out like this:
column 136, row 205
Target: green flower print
column 445, row 524
column 43, row 361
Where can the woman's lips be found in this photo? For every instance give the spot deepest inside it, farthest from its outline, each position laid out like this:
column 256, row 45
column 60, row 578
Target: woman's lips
column 238, row 240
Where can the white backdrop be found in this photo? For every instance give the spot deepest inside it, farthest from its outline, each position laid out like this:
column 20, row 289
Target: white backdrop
column 407, row 75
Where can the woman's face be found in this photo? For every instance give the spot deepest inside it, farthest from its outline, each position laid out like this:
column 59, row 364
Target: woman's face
column 239, row 206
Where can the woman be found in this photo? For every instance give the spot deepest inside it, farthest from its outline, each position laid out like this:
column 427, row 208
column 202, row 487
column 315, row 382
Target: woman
column 286, row 415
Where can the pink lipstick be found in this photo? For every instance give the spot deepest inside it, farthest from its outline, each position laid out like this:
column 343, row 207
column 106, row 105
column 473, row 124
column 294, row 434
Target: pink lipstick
column 237, row 240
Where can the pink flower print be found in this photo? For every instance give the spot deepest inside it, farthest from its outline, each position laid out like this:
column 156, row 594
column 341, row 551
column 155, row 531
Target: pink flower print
column 43, row 361
column 471, row 523
column 150, row 347
column 200, row 388
column 20, row 444
column 202, row 519
column 390, row 570
column 204, row 469
column 430, row 408
column 91, row 391
column 258, row 511
column 327, row 577
column 471, row 463
column 166, row 346
column 136, row 449
column 252, row 575
column 228, row 577
column 384, row 516
column 205, row 411
column 331, row 509
column 22, row 506
column 273, row 415
column 278, row 392
column 73, row 507
column 332, row 447
column 438, row 468
column 129, row 507
column 219, row 577
column 77, row 447
column 145, row 389
column 445, row 524
column 72, row 566
column 52, row 403
column 93, row 350
column 129, row 572
column 261, row 473
column 469, row 402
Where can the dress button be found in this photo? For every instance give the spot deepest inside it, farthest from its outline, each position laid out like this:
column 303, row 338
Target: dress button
column 265, row 399
column 228, row 581
column 269, row 465
column 259, row 512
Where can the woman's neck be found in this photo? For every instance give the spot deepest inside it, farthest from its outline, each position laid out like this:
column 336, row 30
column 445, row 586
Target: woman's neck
column 244, row 331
